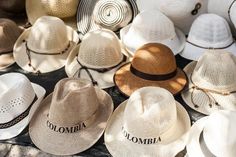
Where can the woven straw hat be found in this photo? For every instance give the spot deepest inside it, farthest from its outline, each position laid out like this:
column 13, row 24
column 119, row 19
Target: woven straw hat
column 55, row 131
column 45, row 46
column 152, row 26
column 150, row 123
column 97, row 58
column 17, row 96
column 160, row 70
column 213, row 136
column 209, row 31
column 212, row 82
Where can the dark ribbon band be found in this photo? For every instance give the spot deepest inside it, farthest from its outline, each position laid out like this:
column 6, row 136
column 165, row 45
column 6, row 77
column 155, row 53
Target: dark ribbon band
column 210, row 47
column 204, row 148
column 231, row 5
column 6, row 52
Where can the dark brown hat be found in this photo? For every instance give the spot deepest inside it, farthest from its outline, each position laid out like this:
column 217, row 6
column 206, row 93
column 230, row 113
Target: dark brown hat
column 12, row 6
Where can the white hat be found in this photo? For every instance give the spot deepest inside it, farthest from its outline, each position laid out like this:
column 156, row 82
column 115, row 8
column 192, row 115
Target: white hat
column 150, row 123
column 232, row 15
column 152, row 26
column 213, row 136
column 212, row 82
column 17, row 96
column 209, row 31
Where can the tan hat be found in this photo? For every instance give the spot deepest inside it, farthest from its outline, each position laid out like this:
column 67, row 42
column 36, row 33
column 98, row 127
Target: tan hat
column 71, row 119
column 160, row 70
column 150, row 123
column 45, row 46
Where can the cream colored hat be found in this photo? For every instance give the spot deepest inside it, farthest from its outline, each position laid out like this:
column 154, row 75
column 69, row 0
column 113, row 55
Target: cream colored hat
column 97, row 58
column 150, row 123
column 17, row 96
column 149, row 27
column 213, row 136
column 54, row 130
column 45, row 46
column 209, row 31
column 232, row 16
column 212, row 82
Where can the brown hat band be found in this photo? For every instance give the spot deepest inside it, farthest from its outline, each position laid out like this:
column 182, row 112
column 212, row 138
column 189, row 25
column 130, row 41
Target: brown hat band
column 5, row 52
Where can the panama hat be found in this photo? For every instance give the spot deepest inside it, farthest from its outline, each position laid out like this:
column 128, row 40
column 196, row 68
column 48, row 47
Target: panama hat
column 45, row 46
column 97, row 58
column 54, row 130
column 17, row 96
column 213, row 135
column 150, row 123
column 152, row 26
column 209, row 31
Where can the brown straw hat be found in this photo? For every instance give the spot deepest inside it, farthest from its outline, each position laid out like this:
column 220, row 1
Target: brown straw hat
column 153, row 65
column 71, row 119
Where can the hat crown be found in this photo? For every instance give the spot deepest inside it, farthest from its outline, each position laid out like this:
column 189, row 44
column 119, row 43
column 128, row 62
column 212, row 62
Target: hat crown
column 13, row 6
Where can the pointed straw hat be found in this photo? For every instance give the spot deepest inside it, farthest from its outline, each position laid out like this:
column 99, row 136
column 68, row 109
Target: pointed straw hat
column 54, row 130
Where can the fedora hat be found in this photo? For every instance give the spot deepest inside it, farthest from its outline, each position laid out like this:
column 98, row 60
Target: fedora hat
column 150, row 123
column 97, row 58
column 209, row 31
column 232, row 16
column 152, row 26
column 213, row 135
column 212, row 82
column 11, row 8
column 17, row 96
column 55, row 131
column 160, row 70
column 45, row 46
column 110, row 14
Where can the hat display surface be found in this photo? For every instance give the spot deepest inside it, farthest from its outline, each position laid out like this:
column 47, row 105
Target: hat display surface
column 55, row 131
column 45, row 46
column 151, row 27
column 150, row 123
column 17, row 96
column 209, row 31
column 97, row 58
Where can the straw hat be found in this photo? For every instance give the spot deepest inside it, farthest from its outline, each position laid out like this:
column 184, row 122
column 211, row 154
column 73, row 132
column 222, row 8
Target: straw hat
column 209, row 31
column 17, row 96
column 97, row 61
column 152, row 26
column 150, row 123
column 213, row 136
column 55, row 131
column 212, row 82
column 64, row 9
column 160, row 70
column 45, row 46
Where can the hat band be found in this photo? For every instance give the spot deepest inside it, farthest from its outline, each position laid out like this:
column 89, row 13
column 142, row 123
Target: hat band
column 204, row 148
column 210, row 47
column 229, row 11
column 5, row 52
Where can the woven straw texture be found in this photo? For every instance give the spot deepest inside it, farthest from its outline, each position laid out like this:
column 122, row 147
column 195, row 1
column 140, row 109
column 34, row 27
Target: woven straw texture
column 12, row 6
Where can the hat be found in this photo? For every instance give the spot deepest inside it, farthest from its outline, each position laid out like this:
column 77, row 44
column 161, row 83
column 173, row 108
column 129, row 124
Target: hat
column 213, row 136
column 152, row 26
column 209, row 31
column 17, row 96
column 232, row 14
column 9, row 32
column 110, row 14
column 212, row 82
column 11, row 8
column 54, row 130
column 97, row 58
column 45, row 46
column 64, row 9
column 150, row 123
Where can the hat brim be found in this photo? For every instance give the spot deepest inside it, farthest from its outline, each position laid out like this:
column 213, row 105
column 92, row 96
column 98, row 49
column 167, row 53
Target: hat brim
column 6, row 60
column 172, row 142
column 15, row 130
column 68, row 144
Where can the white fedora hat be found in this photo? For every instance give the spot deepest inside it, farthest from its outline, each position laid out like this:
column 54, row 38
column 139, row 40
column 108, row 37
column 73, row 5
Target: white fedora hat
column 17, row 96
column 45, row 46
column 209, row 31
column 149, row 27
column 232, row 16
column 150, row 123
column 212, row 82
column 213, row 136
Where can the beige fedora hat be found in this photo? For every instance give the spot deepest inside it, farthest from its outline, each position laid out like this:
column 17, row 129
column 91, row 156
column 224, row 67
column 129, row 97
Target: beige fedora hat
column 149, row 124
column 45, row 46
column 72, row 118
column 212, row 82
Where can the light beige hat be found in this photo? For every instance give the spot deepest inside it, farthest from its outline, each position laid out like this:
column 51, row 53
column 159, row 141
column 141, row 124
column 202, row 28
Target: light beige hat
column 149, row 124
column 71, row 119
column 232, row 16
column 45, row 46
column 97, row 58
column 212, row 82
